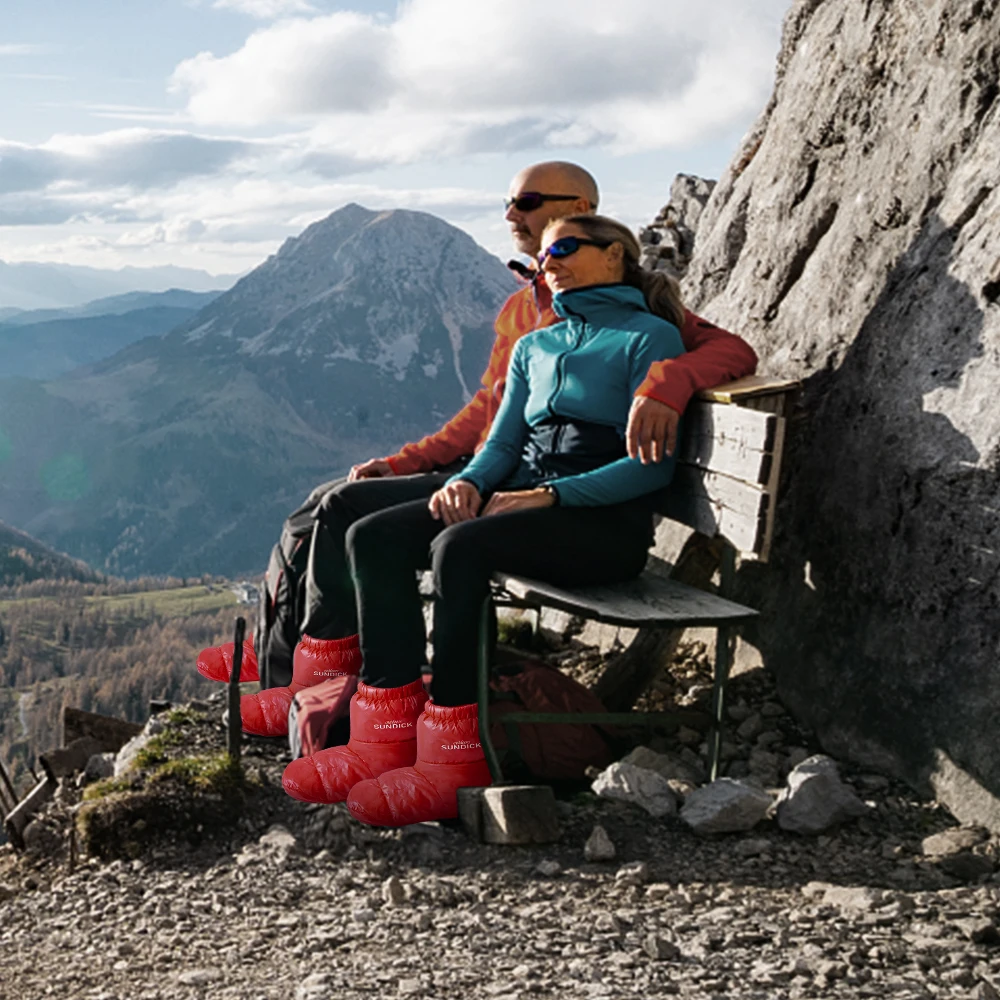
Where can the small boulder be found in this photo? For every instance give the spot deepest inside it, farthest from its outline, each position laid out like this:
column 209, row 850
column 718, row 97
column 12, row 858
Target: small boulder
column 634, row 873
column 128, row 753
column 953, row 841
column 966, row 866
column 599, row 846
column 725, row 806
column 673, row 767
column 857, row 899
column 100, row 766
column 646, row 789
column 393, row 891
column 660, row 949
column 815, row 798
column 40, row 839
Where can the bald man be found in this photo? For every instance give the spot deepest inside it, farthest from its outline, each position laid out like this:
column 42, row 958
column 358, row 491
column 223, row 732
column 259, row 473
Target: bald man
column 538, row 194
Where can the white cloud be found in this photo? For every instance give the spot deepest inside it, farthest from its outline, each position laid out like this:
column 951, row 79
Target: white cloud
column 446, row 77
column 126, row 157
column 294, row 123
column 265, row 10
column 15, row 49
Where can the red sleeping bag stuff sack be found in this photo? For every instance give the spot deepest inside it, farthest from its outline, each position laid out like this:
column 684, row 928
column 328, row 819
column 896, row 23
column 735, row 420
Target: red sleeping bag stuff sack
column 319, row 716
column 552, row 751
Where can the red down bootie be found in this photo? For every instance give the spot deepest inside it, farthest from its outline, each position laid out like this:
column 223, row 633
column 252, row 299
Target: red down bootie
column 216, row 662
column 314, row 661
column 383, row 723
column 449, row 757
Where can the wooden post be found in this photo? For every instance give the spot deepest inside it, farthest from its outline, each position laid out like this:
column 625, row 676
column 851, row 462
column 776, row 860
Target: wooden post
column 9, row 786
column 235, row 733
column 73, row 850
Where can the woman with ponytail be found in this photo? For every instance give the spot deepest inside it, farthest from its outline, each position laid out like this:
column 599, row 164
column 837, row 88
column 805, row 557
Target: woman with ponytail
column 552, row 495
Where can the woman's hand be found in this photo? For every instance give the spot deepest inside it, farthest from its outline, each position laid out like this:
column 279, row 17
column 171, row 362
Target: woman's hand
column 507, row 503
column 454, row 502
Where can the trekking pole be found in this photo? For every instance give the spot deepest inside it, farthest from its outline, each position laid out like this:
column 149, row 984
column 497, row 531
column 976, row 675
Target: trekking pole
column 235, row 731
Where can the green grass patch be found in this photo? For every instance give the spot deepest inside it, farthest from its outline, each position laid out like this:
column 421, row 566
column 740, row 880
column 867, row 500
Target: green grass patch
column 184, row 716
column 177, row 602
column 102, row 789
column 210, row 773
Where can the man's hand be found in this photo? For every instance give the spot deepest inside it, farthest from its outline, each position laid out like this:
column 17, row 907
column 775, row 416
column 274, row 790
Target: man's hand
column 507, row 503
column 374, row 468
column 454, row 502
column 652, row 430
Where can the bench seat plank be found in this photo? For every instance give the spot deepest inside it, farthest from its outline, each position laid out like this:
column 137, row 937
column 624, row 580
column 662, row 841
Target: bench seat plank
column 649, row 601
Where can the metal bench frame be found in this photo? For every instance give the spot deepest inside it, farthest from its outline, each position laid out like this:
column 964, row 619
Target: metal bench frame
column 726, row 484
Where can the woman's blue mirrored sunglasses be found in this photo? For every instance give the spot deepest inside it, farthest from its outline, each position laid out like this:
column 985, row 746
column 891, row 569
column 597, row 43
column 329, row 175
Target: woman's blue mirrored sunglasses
column 567, row 246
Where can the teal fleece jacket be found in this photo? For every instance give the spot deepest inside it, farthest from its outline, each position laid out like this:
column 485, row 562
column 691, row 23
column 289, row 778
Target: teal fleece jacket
column 585, row 368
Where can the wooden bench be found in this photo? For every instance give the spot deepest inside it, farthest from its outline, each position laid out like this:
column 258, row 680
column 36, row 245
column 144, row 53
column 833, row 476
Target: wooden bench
column 725, row 487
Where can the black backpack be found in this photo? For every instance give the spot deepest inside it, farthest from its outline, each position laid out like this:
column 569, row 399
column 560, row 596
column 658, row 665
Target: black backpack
column 282, row 598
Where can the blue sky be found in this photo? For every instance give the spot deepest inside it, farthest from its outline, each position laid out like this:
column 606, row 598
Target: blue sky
column 204, row 132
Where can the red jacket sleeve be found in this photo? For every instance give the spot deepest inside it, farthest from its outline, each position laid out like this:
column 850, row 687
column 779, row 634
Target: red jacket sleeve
column 713, row 356
column 468, row 428
column 458, row 437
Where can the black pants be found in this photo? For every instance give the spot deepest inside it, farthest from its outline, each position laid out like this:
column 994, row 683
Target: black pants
column 329, row 606
column 384, row 549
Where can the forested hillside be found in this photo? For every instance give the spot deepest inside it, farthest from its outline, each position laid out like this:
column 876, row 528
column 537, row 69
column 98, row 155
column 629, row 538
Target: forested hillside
column 24, row 559
column 105, row 647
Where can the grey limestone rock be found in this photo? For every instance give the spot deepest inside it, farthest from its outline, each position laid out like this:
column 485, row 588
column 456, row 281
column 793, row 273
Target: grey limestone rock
column 128, row 753
column 725, row 806
column 393, row 891
column 815, row 799
column 953, row 841
column 599, row 846
column 40, row 838
column 966, row 866
column 852, row 241
column 99, row 766
column 638, row 786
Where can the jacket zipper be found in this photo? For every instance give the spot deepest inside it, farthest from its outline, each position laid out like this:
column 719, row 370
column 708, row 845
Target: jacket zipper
column 561, row 365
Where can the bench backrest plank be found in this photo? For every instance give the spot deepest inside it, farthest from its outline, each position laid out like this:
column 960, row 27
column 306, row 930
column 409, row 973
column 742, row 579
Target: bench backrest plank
column 729, row 463
column 716, row 504
column 729, row 439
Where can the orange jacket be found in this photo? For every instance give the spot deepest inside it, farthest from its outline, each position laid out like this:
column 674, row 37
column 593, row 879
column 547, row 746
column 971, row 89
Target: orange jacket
column 713, row 357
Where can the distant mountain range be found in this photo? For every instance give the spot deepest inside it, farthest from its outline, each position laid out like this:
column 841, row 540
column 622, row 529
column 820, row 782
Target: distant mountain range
column 183, row 453
column 46, row 343
column 58, row 286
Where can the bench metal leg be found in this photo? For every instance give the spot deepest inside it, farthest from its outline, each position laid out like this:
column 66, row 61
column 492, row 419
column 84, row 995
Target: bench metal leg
column 723, row 663
column 483, row 679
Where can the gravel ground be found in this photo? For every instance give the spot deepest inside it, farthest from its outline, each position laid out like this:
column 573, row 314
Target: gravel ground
column 302, row 903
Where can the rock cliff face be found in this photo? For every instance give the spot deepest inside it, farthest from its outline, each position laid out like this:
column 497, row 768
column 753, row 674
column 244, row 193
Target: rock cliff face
column 855, row 240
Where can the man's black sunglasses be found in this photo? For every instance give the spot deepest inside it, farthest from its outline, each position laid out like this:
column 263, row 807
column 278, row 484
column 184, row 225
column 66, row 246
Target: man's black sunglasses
column 531, row 200
column 567, row 246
